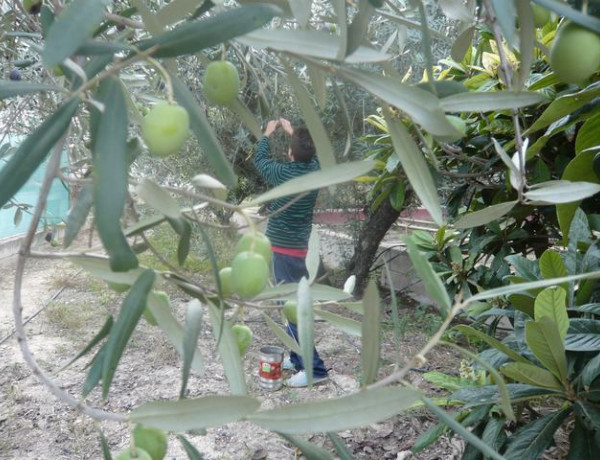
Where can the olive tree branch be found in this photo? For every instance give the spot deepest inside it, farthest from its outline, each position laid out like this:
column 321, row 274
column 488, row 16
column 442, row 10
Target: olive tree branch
column 507, row 70
column 62, row 395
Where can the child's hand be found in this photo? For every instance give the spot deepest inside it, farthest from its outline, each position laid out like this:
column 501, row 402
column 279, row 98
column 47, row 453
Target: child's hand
column 271, row 127
column 287, row 126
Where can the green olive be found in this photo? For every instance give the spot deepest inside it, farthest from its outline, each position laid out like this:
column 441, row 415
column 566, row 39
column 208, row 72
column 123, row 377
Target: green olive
column 221, row 82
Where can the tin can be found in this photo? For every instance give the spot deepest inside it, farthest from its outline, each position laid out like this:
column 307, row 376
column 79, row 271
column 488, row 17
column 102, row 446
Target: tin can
column 269, row 368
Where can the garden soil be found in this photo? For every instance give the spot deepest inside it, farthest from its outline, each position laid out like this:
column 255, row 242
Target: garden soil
column 65, row 308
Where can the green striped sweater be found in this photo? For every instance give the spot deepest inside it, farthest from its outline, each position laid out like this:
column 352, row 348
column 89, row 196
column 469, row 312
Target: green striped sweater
column 291, row 227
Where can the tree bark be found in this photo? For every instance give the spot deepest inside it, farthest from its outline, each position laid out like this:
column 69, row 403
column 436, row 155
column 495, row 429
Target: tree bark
column 377, row 225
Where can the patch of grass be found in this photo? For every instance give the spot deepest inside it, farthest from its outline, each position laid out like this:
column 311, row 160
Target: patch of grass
column 426, row 320
column 165, row 241
column 65, row 315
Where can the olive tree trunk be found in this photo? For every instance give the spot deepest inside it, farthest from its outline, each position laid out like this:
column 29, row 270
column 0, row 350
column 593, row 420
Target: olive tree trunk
column 376, row 226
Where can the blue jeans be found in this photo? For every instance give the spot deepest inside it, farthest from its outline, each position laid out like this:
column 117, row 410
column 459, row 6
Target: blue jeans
column 289, row 269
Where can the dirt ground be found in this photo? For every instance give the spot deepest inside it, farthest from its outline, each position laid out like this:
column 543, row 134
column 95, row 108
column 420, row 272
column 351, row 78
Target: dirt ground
column 69, row 307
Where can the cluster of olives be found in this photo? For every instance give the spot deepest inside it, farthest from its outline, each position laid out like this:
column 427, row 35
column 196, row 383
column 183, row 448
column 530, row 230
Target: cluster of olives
column 166, row 126
column 148, row 444
column 247, row 277
column 249, row 271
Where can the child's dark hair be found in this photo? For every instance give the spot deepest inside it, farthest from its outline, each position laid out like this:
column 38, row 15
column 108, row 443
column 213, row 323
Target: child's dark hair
column 303, row 148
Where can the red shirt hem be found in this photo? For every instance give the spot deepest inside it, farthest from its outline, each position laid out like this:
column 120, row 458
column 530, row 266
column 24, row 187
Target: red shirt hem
column 294, row 252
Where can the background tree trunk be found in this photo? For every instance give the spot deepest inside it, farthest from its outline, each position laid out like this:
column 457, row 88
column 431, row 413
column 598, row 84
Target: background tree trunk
column 377, row 225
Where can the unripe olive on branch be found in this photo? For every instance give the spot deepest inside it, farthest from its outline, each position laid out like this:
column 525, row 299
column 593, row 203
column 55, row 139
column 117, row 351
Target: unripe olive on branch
column 255, row 242
column 221, row 82
column 243, row 337
column 575, row 53
column 152, row 440
column 249, row 272
column 165, row 128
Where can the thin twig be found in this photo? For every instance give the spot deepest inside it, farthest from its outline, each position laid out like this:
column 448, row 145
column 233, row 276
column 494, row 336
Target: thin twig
column 62, row 395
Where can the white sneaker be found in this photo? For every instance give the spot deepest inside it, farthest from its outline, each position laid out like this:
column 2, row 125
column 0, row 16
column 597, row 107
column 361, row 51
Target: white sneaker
column 287, row 364
column 300, row 380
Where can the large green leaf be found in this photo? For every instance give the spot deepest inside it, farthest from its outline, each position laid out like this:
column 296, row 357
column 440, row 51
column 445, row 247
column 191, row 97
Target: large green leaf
column 579, row 168
column 371, row 346
column 583, row 335
column 505, row 402
column 488, row 102
column 421, row 105
column 129, row 315
column 551, row 303
column 287, row 291
column 493, row 434
column 543, row 338
column 206, row 137
column 485, row 215
column 561, row 191
column 552, row 264
column 228, row 350
column 588, row 135
column 415, row 167
column 103, row 332
column 530, row 441
column 73, row 26
column 520, row 287
column 531, row 375
column 191, row 37
column 111, row 167
column 95, row 372
column 193, row 323
column 501, row 347
column 589, row 414
column 190, row 450
column 33, row 150
column 462, row 431
column 340, row 446
column 489, row 394
column 10, row 88
column 337, row 414
column 100, row 267
column 433, row 284
column 505, row 13
column 306, row 331
column 591, row 371
column 281, row 334
column 582, row 446
column 462, row 44
column 447, row 382
column 321, row 45
column 158, row 198
column 321, row 140
column 194, row 414
column 318, row 81
column 160, row 307
column 359, row 27
column 247, row 117
column 331, row 176
column 347, row 325
column 563, row 106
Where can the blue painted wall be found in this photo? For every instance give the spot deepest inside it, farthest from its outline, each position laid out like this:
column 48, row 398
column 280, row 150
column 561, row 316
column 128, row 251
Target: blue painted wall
column 58, row 200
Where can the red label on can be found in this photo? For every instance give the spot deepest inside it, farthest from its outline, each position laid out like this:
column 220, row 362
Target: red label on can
column 269, row 371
